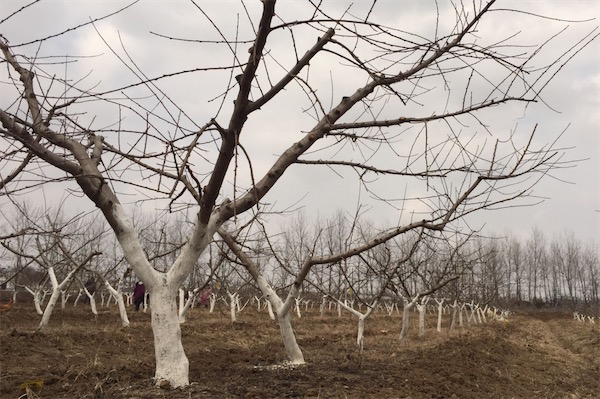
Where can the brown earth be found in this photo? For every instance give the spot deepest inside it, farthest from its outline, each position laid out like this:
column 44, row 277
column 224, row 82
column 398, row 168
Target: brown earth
column 535, row 355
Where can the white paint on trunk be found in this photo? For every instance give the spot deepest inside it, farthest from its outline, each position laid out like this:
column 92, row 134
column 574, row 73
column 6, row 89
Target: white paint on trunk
column 422, row 308
column 185, row 306
column 405, row 316
column 297, row 302
column 56, row 289
column 36, row 299
column 49, row 308
column 92, row 301
column 478, row 312
column 129, row 297
column 79, row 295
column 361, row 332
column 118, row 295
column 172, row 364
column 257, row 299
column 454, row 307
column 64, row 297
column 284, row 319
column 290, row 344
column 440, row 310
column 212, row 302
column 233, row 306
column 270, row 310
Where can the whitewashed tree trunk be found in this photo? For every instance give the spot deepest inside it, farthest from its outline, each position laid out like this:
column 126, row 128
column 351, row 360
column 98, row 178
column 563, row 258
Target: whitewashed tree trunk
column 362, row 318
column 212, row 302
column 184, row 307
column 460, row 315
column 484, row 313
column 422, row 308
column 389, row 307
column 284, row 320
column 79, row 295
column 257, row 299
column 172, row 364
column 297, row 302
column 270, row 310
column 293, row 352
column 92, row 301
column 471, row 317
column 129, row 297
column 454, row 307
column 56, row 288
column 36, row 299
column 361, row 332
column 49, row 308
column 64, row 297
column 405, row 317
column 440, row 310
column 181, row 298
column 233, row 306
column 118, row 295
column 146, row 297
column 43, row 297
column 239, row 305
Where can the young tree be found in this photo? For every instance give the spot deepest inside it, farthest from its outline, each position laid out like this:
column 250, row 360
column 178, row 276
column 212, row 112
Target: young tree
column 155, row 145
column 60, row 246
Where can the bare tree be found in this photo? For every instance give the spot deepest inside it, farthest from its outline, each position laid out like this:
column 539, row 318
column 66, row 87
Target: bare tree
column 379, row 127
column 62, row 246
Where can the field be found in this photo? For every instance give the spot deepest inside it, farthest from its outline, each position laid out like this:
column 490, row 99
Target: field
column 534, row 355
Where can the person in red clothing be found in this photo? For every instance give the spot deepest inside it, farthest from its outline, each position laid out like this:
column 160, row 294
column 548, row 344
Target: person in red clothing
column 205, row 296
column 138, row 294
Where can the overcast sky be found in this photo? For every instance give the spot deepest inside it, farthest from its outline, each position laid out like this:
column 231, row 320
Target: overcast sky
column 572, row 100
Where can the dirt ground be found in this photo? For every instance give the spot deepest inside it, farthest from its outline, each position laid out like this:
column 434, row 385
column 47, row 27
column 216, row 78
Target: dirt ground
column 534, row 355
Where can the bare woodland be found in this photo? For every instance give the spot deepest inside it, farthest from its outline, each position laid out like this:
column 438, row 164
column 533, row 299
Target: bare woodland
column 185, row 200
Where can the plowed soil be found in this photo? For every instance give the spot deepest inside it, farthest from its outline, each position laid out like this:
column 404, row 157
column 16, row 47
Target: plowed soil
column 533, row 355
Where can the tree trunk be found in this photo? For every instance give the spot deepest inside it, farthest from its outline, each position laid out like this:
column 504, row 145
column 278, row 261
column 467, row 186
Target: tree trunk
column 270, row 309
column 292, row 349
column 297, row 302
column 92, row 301
column 440, row 310
column 233, row 306
column 77, row 297
column 405, row 315
column 422, row 308
column 212, row 302
column 64, row 297
column 49, row 308
column 120, row 302
column 184, row 306
column 361, row 332
column 172, row 364
column 36, row 300
column 454, row 307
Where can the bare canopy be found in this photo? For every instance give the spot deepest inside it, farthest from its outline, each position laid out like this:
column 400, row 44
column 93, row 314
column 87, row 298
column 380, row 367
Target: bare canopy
column 399, row 109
